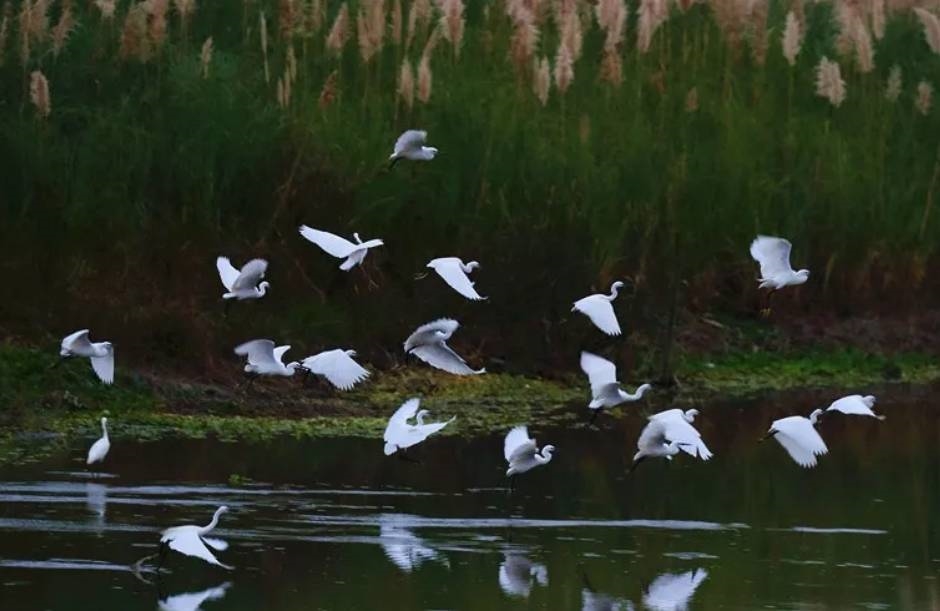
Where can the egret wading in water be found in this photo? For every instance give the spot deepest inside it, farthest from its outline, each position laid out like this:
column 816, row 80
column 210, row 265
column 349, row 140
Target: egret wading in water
column 654, row 443
column 855, row 405
column 191, row 540
column 605, row 389
column 245, row 283
column 678, row 427
column 410, row 145
column 266, row 360
column 522, row 454
column 338, row 367
column 600, row 310
column 773, row 255
column 429, row 343
column 454, row 272
column 799, row 438
column 400, row 434
column 341, row 248
column 99, row 450
column 100, row 353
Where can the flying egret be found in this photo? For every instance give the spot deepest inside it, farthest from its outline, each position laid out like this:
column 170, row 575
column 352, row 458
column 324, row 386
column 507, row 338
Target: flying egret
column 799, row 438
column 454, row 272
column 855, row 405
column 605, row 389
column 341, row 248
column 672, row 592
column 192, row 601
column 517, row 574
column 245, row 283
column 600, row 310
column 410, row 145
column 99, row 449
column 773, row 255
column 522, row 453
column 266, row 360
column 401, row 435
column 654, row 443
column 100, row 353
column 190, row 540
column 338, row 367
column 679, row 428
column 406, row 550
column 429, row 343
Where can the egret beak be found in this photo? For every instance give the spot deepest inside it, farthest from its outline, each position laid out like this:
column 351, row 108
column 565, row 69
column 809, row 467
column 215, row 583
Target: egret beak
column 421, row 276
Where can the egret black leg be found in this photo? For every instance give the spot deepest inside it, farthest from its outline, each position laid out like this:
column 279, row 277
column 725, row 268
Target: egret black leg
column 596, row 413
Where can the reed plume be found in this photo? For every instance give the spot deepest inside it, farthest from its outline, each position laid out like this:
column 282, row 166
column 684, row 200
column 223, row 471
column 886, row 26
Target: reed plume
column 691, row 100
column 524, row 40
column 829, row 83
column 290, row 64
column 370, row 28
column 263, row 29
column 758, row 31
column 185, row 9
column 876, row 10
column 424, row 78
column 572, row 31
column 23, row 19
column 39, row 94
column 931, row 28
column 419, row 16
column 62, row 29
column 329, row 91
column 205, row 57
column 339, row 33
column 894, row 84
column 314, row 15
column 395, row 29
column 924, row 98
column 611, row 66
column 652, row 14
column 452, row 22
column 612, row 18
column 731, row 16
column 157, row 10
column 106, row 8
column 564, row 69
column 288, row 18
column 135, row 41
column 406, row 83
column 5, row 28
column 792, row 38
column 542, row 83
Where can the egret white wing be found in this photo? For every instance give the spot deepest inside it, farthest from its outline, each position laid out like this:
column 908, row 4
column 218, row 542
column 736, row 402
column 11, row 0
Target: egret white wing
column 600, row 372
column 456, row 278
column 442, row 357
column 258, row 351
column 446, row 326
column 800, row 439
column 426, row 430
column 653, row 435
column 227, row 272
column 855, row 405
column 279, row 352
column 672, row 592
column 396, row 430
column 601, row 313
column 331, row 243
column 677, row 429
column 773, row 255
column 216, row 544
column 338, row 367
column 77, row 341
column 191, row 545
column 518, row 440
column 250, row 275
column 104, row 367
column 98, row 451
column 411, row 139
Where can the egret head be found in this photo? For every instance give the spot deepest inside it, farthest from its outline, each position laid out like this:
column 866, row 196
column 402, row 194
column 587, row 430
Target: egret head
column 422, row 413
column 104, row 421
column 350, row 353
column 221, row 510
column 472, row 265
column 358, row 240
column 547, row 451
column 431, row 151
column 264, row 286
column 691, row 413
column 293, row 366
column 803, row 274
column 108, row 346
column 815, row 415
column 616, row 286
column 643, row 389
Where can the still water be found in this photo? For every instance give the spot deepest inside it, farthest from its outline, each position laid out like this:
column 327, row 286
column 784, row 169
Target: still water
column 334, row 524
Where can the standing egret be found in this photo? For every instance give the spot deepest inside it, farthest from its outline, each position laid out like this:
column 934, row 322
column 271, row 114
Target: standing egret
column 406, row 550
column 266, row 360
column 605, row 389
column 341, row 248
column 245, row 283
column 410, row 145
column 190, row 540
column 679, row 428
column 192, row 601
column 600, row 310
column 671, row 592
column 400, row 435
column 429, row 343
column 799, row 438
column 99, row 449
column 100, row 353
column 773, row 255
column 454, row 272
column 654, row 443
column 517, row 574
column 338, row 367
column 855, row 405
column 522, row 453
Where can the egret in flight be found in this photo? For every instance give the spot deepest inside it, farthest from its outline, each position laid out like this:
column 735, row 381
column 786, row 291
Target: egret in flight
column 654, row 443
column 855, row 405
column 454, row 272
column 429, row 343
column 799, row 438
column 672, row 592
column 679, row 428
column 341, row 248
column 100, row 353
column 266, row 360
column 605, row 389
column 338, row 367
column 191, row 540
column 410, row 145
column 773, row 255
column 400, row 434
column 600, row 310
column 99, row 449
column 522, row 453
column 245, row 283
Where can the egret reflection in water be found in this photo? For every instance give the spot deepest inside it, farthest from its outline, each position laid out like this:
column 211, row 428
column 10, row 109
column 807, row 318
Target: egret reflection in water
column 517, row 574
column 672, row 592
column 192, row 601
column 96, row 500
column 405, row 549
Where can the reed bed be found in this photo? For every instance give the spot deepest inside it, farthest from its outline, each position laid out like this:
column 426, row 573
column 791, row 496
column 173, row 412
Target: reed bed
column 581, row 142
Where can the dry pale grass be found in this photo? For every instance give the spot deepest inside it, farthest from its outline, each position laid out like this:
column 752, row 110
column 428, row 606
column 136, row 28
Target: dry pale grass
column 564, row 69
column 425, row 78
column 263, row 29
column 289, row 18
column 652, row 14
column 524, row 39
column 759, row 37
column 894, row 84
column 205, row 57
column 39, row 94
column 931, row 28
column 135, row 40
column 106, row 8
column 339, row 33
column 370, row 28
column 419, row 16
column 406, row 83
column 924, row 99
column 542, row 83
column 62, row 28
column 829, row 83
column 395, row 29
column 453, row 23
column 691, row 100
column 792, row 39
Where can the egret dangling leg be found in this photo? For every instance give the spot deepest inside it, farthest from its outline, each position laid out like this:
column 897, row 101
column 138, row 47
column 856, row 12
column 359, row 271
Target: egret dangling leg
column 249, row 380
column 765, row 311
column 636, row 464
column 594, row 416
column 405, row 456
column 512, row 485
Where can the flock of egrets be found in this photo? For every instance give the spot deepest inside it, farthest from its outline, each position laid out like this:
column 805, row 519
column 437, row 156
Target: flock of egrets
column 665, row 435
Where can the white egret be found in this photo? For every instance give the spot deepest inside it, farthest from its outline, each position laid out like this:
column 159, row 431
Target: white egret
column 799, row 438
column 454, row 272
column 855, row 405
column 338, row 367
column 600, row 310
column 517, row 574
column 192, row 601
column 672, row 592
column 401, row 435
column 191, row 540
column 266, row 360
column 522, row 453
column 100, row 353
column 773, row 255
column 679, row 428
column 405, row 549
column 605, row 389
column 429, row 343
column 341, row 248
column 653, row 443
column 99, row 449
column 245, row 283
column 410, row 145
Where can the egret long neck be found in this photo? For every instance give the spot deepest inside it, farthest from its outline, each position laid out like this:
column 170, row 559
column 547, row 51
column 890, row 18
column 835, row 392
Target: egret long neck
column 104, row 429
column 213, row 523
column 613, row 292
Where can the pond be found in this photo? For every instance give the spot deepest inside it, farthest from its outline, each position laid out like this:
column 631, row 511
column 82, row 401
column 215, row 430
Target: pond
column 334, row 524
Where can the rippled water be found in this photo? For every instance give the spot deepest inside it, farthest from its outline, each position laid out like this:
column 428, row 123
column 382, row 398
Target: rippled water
column 334, row 524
